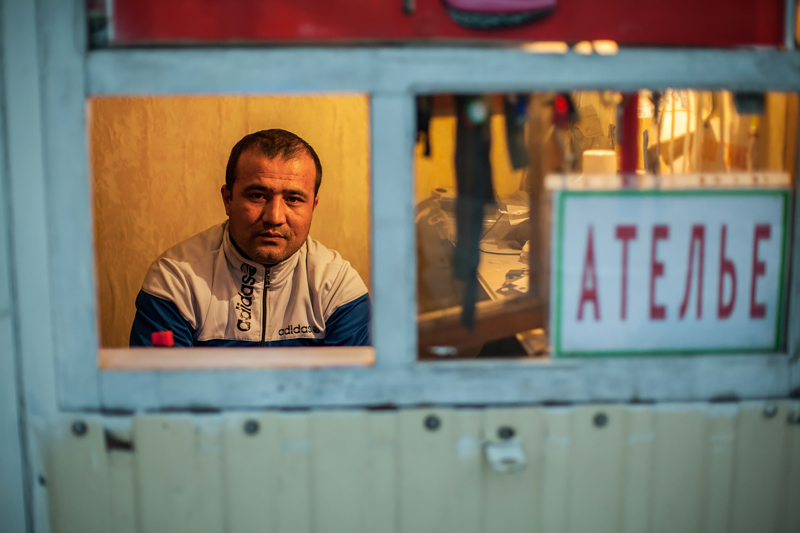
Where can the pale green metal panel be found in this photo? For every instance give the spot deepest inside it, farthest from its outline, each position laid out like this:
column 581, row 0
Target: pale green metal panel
column 339, row 454
column 760, row 464
column 178, row 473
column 294, row 460
column 424, row 473
column 251, row 461
column 78, row 479
column 429, row 465
column 678, row 474
column 693, row 467
column 596, row 466
column 556, row 469
column 341, row 461
column 122, row 492
column 721, row 448
column 468, row 473
column 208, row 479
column 638, row 451
column 380, row 501
column 513, row 502
column 790, row 522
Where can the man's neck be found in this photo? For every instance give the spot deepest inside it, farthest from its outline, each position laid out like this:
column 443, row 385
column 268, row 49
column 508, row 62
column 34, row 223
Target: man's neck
column 243, row 254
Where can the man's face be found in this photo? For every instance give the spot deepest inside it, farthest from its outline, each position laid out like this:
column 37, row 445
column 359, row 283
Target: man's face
column 270, row 205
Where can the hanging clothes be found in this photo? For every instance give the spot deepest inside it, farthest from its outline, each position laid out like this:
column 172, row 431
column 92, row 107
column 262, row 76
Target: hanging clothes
column 475, row 191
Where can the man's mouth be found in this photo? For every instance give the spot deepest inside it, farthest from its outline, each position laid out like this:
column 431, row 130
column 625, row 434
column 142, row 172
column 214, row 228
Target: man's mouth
column 271, row 235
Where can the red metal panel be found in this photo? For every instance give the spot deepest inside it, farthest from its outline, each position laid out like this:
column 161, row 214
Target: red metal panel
column 679, row 22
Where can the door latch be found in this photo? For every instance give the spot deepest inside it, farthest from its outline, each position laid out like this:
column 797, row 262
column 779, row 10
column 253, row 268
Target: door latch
column 506, row 456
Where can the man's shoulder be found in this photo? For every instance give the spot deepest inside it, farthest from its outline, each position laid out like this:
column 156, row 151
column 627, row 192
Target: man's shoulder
column 179, row 275
column 326, row 262
column 336, row 280
column 173, row 275
column 319, row 254
column 196, row 247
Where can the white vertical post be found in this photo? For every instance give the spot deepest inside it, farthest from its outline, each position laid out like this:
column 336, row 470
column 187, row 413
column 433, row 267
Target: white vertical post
column 70, row 255
column 12, row 469
column 793, row 296
column 394, row 265
column 30, row 245
column 789, row 24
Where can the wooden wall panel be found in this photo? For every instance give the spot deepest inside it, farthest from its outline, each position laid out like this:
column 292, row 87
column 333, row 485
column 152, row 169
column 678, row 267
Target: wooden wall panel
column 688, row 467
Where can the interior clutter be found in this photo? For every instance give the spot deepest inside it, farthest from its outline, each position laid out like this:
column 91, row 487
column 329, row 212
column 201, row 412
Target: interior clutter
column 483, row 207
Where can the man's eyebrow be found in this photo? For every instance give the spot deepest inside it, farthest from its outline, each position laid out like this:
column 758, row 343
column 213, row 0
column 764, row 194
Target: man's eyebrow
column 262, row 188
column 295, row 192
column 257, row 187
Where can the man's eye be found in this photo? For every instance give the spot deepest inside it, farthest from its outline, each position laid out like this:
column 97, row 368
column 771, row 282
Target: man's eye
column 255, row 196
column 294, row 200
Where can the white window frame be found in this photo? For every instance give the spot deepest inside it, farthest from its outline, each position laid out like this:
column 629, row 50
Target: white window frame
column 392, row 77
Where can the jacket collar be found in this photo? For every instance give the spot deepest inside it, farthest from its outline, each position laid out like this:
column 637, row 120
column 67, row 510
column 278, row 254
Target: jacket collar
column 278, row 273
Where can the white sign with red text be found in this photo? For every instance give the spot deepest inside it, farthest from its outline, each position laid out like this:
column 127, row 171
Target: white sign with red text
column 681, row 271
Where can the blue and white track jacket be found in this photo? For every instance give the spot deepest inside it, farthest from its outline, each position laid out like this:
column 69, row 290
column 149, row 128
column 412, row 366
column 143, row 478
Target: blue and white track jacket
column 208, row 294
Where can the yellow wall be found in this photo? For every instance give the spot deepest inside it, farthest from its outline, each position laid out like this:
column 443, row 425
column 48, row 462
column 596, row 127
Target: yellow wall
column 158, row 165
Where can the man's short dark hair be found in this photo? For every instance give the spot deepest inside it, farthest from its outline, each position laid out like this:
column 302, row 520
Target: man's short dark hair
column 272, row 143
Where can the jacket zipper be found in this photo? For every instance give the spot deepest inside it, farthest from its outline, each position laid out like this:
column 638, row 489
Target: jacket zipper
column 264, row 308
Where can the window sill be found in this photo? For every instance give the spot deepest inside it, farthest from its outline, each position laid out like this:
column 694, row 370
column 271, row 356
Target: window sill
column 234, row 358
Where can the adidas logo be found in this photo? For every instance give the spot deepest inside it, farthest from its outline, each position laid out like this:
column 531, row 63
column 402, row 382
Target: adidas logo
column 290, row 330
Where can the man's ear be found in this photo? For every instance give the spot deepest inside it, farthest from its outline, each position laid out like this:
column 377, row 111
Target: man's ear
column 226, row 199
column 316, row 201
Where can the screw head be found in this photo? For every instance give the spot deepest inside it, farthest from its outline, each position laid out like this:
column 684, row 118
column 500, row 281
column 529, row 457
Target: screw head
column 79, row 428
column 432, row 422
column 770, row 410
column 477, row 111
column 506, row 432
column 600, row 419
column 251, row 427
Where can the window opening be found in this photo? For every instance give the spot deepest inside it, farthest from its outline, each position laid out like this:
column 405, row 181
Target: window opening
column 158, row 172
column 499, row 180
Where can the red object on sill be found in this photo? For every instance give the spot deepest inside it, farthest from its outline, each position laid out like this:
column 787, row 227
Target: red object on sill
column 162, row 338
column 562, row 111
column 717, row 23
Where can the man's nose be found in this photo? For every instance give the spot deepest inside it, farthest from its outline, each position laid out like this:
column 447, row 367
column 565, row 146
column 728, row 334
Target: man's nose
column 274, row 212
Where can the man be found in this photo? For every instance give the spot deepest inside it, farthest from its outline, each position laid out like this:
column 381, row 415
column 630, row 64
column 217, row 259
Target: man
column 257, row 279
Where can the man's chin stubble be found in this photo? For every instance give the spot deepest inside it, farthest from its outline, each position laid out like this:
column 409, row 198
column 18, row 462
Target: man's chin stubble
column 273, row 259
